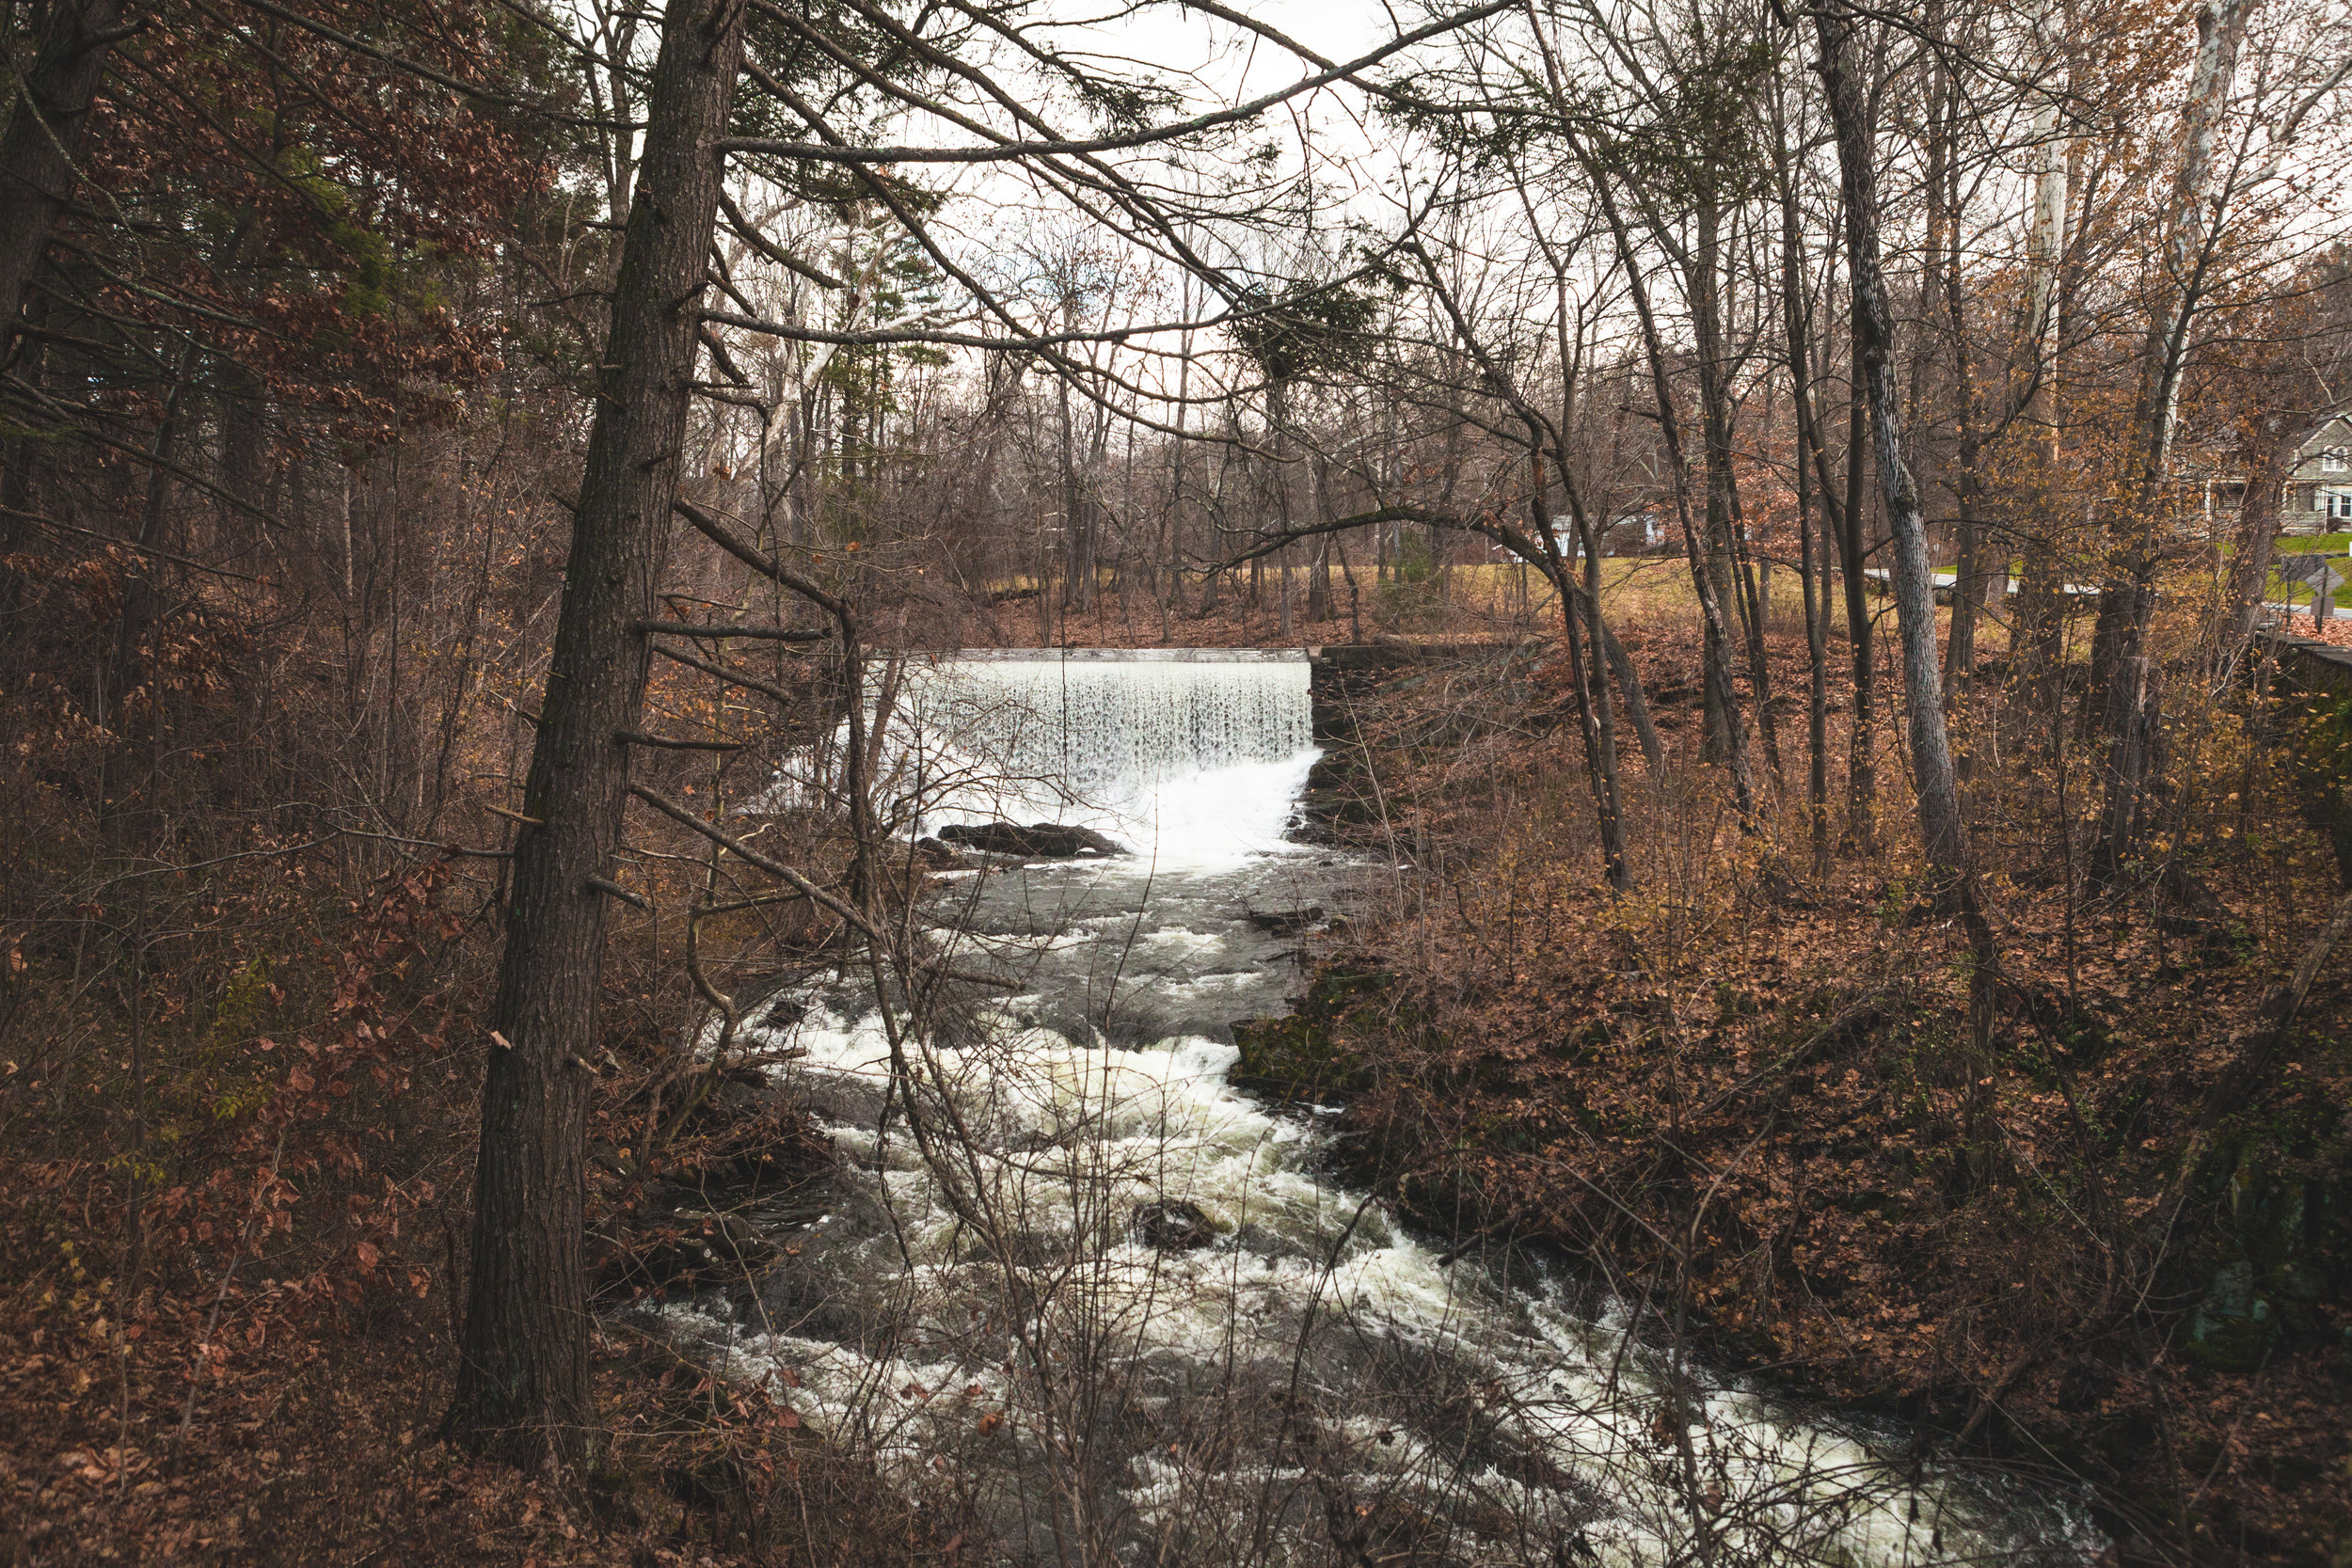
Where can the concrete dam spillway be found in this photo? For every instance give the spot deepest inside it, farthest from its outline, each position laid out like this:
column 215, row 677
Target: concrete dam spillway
column 1192, row 757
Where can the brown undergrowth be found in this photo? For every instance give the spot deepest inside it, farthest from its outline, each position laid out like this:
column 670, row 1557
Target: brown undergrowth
column 239, row 1110
column 1756, row 1100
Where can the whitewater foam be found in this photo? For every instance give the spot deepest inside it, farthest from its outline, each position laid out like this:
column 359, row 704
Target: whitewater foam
column 1191, row 763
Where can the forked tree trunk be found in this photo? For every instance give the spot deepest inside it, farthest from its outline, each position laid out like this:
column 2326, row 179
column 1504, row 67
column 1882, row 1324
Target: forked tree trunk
column 1716, row 642
column 1940, row 823
column 522, row 1377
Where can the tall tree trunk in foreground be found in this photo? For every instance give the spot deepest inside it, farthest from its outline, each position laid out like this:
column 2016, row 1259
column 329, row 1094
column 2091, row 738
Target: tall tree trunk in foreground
column 2037, row 662
column 43, row 137
column 1940, row 824
column 1847, row 520
column 1812, row 571
column 522, row 1377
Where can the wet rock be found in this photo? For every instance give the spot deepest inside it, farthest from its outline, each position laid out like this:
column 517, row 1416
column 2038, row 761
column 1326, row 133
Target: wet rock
column 780, row 1012
column 1286, row 923
column 1039, row 840
column 1173, row 1226
column 936, row 856
column 1300, row 1055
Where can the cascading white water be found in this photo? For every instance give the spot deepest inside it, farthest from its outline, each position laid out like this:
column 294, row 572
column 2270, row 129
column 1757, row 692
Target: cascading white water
column 1190, row 757
column 1317, row 1386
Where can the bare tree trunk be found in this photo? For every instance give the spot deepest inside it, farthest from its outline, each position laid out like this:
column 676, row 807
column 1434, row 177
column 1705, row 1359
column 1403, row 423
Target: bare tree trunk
column 1973, row 578
column 1940, row 824
column 1636, row 703
column 1727, row 561
column 2039, row 618
column 1173, row 535
column 1716, row 645
column 2128, row 601
column 1277, row 405
column 43, row 137
column 126, row 813
column 1862, row 778
column 1815, row 551
column 1816, row 585
column 1720, row 698
column 1319, row 557
column 1964, row 478
column 1592, row 696
column 2265, row 457
column 523, row 1378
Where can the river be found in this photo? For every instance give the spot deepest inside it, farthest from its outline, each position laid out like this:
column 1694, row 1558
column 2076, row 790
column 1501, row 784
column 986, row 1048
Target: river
column 1317, row 1384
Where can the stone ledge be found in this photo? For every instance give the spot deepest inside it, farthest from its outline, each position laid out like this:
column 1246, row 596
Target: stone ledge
column 2311, row 663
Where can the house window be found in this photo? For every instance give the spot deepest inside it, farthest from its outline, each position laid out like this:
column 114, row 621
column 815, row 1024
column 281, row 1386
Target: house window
column 2337, row 504
column 2334, row 461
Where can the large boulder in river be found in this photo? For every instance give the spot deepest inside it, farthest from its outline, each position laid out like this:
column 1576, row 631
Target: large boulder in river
column 1039, row 840
column 1174, row 1225
column 935, row 856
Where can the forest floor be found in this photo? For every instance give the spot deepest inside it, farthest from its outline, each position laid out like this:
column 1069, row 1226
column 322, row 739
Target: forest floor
column 1749, row 1091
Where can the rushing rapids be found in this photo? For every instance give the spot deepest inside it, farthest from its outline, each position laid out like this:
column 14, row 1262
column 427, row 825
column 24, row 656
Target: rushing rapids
column 985, row 1308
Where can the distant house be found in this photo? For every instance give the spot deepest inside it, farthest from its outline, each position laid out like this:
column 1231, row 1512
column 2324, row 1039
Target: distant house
column 2319, row 481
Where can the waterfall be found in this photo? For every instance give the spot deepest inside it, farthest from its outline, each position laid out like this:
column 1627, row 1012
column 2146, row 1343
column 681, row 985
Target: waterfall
column 1188, row 756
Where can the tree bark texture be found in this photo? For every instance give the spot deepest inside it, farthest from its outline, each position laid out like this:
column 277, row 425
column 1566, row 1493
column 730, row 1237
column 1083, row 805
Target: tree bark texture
column 1817, row 548
column 522, row 1383
column 1862, row 775
column 1726, row 553
column 2264, row 456
column 1636, row 702
column 1578, row 601
column 44, row 136
column 1940, row 823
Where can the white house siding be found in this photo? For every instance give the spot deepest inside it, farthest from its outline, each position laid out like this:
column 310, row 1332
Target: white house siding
column 2319, row 486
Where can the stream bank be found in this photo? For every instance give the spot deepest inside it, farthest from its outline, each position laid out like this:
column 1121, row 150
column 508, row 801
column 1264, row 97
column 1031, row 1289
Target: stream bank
column 1877, row 1209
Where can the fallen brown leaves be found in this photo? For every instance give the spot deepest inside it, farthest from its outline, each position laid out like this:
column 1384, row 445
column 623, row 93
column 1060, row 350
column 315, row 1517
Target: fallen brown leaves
column 1760, row 1096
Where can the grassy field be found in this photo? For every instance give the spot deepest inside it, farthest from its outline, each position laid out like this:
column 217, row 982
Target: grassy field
column 2335, row 544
